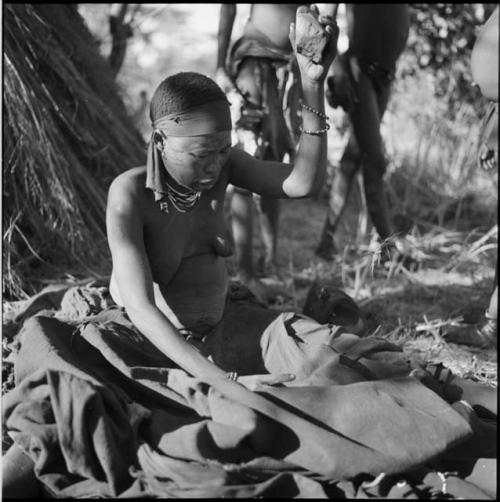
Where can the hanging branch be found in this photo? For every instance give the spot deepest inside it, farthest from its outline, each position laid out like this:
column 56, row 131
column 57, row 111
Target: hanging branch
column 121, row 30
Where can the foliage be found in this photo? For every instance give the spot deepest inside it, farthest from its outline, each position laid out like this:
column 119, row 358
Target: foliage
column 433, row 138
column 441, row 40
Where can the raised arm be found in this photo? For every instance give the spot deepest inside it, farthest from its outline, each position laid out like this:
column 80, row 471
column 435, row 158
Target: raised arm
column 305, row 177
column 133, row 277
column 226, row 21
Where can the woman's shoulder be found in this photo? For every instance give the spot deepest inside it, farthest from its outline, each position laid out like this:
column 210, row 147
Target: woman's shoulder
column 131, row 179
column 129, row 185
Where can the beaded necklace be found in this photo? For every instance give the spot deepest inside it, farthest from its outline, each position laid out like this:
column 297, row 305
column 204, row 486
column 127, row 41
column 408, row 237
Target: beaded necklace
column 183, row 198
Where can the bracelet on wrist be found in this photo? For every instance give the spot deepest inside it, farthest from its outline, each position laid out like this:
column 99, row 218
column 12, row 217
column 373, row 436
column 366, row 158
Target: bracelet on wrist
column 313, row 110
column 319, row 132
column 232, row 375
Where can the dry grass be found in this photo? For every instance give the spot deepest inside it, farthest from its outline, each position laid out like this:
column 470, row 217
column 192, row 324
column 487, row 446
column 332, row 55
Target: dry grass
column 66, row 136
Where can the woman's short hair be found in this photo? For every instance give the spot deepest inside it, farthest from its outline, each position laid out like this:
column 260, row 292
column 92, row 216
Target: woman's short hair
column 182, row 91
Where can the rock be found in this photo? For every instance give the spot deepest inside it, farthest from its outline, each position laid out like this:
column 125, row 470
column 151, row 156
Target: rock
column 310, row 36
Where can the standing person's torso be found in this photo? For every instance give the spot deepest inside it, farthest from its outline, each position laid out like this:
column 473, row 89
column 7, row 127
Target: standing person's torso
column 378, row 32
column 484, row 57
column 272, row 20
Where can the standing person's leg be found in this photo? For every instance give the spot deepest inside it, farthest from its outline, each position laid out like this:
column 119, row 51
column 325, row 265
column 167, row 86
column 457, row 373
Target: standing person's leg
column 366, row 116
column 247, row 128
column 492, row 311
column 291, row 94
column 277, row 142
column 242, row 228
column 339, row 194
column 261, row 132
column 488, row 332
column 269, row 212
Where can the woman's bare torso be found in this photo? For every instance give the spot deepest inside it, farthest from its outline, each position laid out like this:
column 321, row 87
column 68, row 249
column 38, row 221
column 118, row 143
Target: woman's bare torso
column 186, row 252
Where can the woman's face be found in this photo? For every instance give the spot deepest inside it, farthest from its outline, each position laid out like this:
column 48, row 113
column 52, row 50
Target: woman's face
column 196, row 161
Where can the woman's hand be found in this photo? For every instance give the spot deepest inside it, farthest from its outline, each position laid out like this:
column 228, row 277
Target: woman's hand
column 260, row 382
column 311, row 71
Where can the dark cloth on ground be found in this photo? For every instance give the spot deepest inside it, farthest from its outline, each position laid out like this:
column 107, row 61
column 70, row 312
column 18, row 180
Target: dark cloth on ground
column 103, row 413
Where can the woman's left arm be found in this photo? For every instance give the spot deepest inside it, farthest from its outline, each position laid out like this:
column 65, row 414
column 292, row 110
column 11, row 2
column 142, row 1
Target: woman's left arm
column 305, row 177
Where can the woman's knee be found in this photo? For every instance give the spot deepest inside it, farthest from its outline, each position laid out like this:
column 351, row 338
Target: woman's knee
column 18, row 475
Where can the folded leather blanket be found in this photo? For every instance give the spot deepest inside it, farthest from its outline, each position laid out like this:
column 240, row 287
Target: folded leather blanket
column 103, row 413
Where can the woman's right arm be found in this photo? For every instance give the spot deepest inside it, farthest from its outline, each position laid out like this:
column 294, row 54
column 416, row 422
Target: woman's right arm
column 134, row 280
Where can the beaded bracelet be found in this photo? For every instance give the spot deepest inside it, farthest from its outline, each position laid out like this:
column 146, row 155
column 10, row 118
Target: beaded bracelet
column 313, row 110
column 319, row 132
column 232, row 375
column 442, row 477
